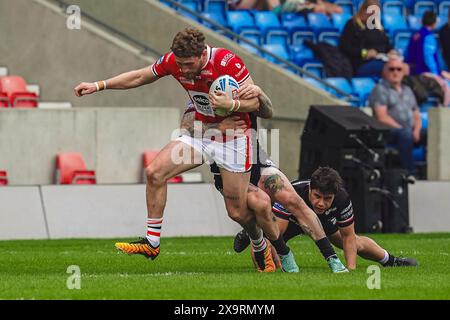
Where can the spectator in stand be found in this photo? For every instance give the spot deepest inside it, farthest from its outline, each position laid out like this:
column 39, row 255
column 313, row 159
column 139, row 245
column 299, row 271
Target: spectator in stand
column 422, row 55
column 444, row 37
column 263, row 5
column 365, row 42
column 394, row 104
column 299, row 6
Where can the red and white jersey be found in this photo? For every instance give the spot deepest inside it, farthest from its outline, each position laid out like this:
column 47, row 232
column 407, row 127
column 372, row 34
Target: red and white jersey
column 220, row 62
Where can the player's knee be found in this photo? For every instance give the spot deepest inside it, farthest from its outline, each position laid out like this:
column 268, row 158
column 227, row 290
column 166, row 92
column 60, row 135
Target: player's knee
column 154, row 177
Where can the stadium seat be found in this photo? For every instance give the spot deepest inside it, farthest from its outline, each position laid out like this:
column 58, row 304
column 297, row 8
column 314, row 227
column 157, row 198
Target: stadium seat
column 252, row 34
column 421, row 6
column 314, row 67
column 330, row 37
column 3, row 178
column 276, row 49
column 300, row 53
column 419, row 154
column 250, row 48
column 266, row 20
column 239, row 20
column 319, row 21
column 339, row 20
column 346, row 5
column 301, row 34
column 393, row 23
column 147, row 158
column 415, row 22
column 193, row 5
column 394, row 7
column 216, row 17
column 362, row 87
column 4, row 101
column 290, row 21
column 339, row 83
column 218, row 6
column 277, row 37
column 15, row 88
column 71, row 169
column 424, row 117
column 401, row 41
column 444, row 6
column 316, row 83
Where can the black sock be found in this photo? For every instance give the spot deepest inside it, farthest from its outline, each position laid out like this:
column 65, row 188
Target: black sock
column 280, row 246
column 390, row 261
column 325, row 248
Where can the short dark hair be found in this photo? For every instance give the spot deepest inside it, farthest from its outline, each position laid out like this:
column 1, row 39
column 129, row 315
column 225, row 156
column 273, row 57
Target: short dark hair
column 188, row 43
column 326, row 180
column 428, row 18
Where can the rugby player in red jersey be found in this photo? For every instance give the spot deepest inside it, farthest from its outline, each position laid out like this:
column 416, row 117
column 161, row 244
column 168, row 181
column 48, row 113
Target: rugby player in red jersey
column 195, row 65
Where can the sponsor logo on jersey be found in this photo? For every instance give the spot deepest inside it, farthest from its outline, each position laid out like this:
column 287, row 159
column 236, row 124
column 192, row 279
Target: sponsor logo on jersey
column 186, row 81
column 226, row 59
column 238, row 65
column 160, row 60
column 330, row 210
column 201, row 100
column 240, row 72
column 206, row 73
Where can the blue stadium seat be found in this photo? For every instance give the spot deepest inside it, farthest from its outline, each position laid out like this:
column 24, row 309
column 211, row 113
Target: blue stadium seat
column 299, row 35
column 415, row 22
column 239, row 20
column 421, row 6
column 362, row 87
column 419, row 154
column 394, row 7
column 315, row 83
column 339, row 20
column 277, row 50
column 319, row 21
column 340, row 83
column 193, row 5
column 216, row 17
column 401, row 41
column 290, row 21
column 314, row 67
column 441, row 21
column 346, row 5
column 265, row 20
column 219, row 6
column 252, row 34
column 444, row 6
column 250, row 49
column 393, row 22
column 300, row 53
column 424, row 117
column 330, row 37
column 277, row 36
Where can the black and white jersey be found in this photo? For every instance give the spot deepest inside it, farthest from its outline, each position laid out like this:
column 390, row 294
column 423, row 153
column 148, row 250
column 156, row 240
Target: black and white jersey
column 340, row 213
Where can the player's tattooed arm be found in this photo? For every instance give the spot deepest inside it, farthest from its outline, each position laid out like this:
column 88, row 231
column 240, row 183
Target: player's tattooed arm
column 187, row 122
column 265, row 104
column 273, row 183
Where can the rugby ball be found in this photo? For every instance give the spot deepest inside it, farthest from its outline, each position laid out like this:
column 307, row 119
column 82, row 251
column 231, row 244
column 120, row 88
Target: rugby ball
column 228, row 85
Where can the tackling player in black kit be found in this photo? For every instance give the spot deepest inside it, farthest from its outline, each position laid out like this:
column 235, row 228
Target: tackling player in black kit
column 325, row 194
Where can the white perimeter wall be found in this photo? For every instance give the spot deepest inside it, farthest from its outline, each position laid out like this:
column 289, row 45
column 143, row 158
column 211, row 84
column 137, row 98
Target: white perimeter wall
column 114, row 211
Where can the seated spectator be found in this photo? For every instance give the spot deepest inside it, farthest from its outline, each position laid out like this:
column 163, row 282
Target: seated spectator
column 444, row 37
column 307, row 6
column 422, row 54
column 366, row 46
column 263, row 5
column 394, row 104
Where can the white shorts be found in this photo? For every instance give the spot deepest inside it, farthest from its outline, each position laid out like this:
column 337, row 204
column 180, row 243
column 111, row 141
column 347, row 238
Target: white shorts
column 233, row 155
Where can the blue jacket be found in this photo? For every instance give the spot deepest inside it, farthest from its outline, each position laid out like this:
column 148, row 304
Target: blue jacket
column 422, row 53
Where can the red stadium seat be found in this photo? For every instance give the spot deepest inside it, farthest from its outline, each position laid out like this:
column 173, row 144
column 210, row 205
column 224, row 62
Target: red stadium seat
column 3, row 178
column 71, row 169
column 4, row 100
column 148, row 157
column 15, row 88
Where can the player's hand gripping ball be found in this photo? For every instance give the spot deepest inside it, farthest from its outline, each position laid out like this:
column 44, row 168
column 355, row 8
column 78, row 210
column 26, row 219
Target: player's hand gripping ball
column 228, row 85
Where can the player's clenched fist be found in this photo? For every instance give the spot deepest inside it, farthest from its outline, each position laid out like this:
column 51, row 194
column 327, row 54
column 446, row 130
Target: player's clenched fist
column 85, row 88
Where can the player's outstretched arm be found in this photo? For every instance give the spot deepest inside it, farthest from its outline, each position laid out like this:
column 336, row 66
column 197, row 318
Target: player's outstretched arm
column 349, row 245
column 127, row 80
column 249, row 91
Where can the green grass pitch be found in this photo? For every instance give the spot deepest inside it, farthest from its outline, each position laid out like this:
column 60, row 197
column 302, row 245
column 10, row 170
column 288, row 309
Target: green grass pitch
column 207, row 268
